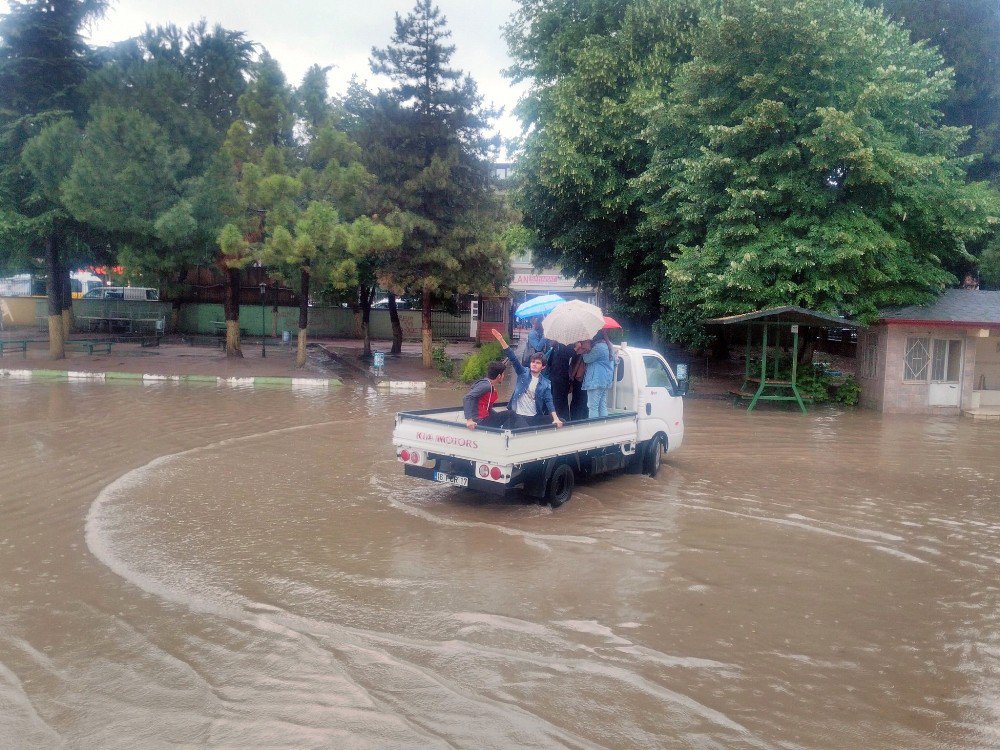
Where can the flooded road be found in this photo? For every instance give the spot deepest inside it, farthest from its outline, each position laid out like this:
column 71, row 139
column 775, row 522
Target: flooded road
column 222, row 567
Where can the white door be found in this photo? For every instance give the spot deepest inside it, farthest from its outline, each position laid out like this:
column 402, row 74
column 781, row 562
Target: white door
column 946, row 373
column 659, row 411
column 474, row 319
column 623, row 389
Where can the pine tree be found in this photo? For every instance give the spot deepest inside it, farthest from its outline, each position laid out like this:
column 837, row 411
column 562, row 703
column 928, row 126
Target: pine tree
column 434, row 160
column 43, row 62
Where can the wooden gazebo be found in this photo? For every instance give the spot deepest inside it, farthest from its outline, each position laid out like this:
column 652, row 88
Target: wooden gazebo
column 766, row 385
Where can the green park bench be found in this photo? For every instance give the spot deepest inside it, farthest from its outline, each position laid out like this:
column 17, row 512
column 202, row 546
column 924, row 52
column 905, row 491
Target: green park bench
column 13, row 344
column 90, row 346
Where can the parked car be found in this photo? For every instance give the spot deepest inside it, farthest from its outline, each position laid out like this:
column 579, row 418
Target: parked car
column 402, row 303
column 124, row 292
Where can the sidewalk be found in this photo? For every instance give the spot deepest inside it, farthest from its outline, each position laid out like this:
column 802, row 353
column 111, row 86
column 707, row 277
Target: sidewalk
column 406, row 366
column 329, row 358
column 201, row 356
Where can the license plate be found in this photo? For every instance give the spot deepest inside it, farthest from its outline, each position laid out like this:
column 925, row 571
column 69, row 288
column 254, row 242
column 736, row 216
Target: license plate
column 440, row 476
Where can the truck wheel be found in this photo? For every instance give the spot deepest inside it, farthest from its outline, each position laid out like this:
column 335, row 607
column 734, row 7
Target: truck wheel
column 654, row 455
column 560, row 487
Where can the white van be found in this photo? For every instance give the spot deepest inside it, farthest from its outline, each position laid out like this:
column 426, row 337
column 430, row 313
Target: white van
column 124, row 292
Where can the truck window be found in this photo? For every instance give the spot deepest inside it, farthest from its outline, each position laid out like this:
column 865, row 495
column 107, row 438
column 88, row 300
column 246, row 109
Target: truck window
column 656, row 373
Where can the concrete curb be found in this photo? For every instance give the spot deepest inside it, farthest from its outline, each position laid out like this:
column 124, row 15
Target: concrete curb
column 393, row 386
column 150, row 378
column 401, row 385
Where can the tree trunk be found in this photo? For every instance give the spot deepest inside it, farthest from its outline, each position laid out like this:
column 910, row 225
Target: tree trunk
column 356, row 305
column 397, row 328
column 425, row 328
column 232, row 306
column 366, row 322
column 300, row 354
column 66, row 303
column 57, row 342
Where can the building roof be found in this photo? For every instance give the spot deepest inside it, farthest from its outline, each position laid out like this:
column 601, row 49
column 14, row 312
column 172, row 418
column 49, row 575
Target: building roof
column 790, row 314
column 954, row 306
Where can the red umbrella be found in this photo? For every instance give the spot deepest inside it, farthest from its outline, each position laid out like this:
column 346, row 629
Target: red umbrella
column 610, row 323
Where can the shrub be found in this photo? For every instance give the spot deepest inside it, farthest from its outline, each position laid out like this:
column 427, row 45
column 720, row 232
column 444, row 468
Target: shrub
column 444, row 363
column 814, row 382
column 849, row 392
column 474, row 366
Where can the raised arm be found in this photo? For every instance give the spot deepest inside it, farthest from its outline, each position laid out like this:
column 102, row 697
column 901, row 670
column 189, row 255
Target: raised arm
column 518, row 367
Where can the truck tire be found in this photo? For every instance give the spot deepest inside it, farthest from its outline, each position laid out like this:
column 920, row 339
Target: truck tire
column 653, row 456
column 560, row 485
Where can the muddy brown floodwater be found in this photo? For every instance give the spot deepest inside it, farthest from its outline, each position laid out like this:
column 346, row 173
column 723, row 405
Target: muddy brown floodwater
column 222, row 567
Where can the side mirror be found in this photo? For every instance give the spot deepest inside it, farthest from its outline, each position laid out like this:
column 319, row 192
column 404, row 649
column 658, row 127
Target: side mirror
column 681, row 388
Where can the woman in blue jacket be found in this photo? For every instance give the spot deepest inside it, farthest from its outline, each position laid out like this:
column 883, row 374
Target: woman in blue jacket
column 599, row 375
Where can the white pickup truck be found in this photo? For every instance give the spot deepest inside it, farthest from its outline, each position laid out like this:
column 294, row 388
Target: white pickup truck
column 645, row 419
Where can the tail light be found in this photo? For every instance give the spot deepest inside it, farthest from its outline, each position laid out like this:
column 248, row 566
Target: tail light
column 494, row 473
column 410, row 456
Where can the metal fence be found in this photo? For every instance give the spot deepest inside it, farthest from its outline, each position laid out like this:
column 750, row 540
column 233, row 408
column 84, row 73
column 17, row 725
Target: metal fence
column 113, row 315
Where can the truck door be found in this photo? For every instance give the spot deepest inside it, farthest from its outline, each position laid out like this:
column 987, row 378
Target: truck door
column 623, row 390
column 659, row 409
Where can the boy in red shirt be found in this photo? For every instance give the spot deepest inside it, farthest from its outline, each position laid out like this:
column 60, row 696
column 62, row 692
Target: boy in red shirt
column 478, row 402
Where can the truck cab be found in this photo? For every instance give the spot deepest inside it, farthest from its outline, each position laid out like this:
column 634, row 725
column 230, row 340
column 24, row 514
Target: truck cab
column 646, row 384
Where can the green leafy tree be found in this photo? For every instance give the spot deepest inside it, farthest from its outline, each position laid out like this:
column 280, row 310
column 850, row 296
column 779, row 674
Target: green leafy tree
column 434, row 160
column 967, row 34
column 188, row 82
column 306, row 206
column 125, row 175
column 150, row 171
column 801, row 160
column 374, row 121
column 596, row 68
column 43, row 62
column 267, row 106
column 312, row 101
column 265, row 128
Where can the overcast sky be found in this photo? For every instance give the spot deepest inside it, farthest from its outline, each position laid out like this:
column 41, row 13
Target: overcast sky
column 339, row 33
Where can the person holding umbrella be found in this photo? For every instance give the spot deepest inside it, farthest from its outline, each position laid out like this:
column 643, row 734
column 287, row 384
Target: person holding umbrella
column 532, row 397
column 578, row 324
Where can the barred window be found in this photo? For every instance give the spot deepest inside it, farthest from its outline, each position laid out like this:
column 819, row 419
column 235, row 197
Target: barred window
column 491, row 310
column 946, row 365
column 916, row 360
column 869, row 356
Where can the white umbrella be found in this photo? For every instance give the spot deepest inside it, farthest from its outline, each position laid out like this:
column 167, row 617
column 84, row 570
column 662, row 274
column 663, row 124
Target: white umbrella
column 573, row 321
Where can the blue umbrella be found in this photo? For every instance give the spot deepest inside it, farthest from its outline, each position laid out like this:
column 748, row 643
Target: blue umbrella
column 538, row 306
